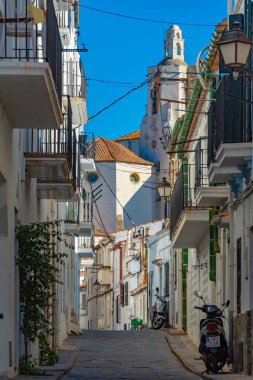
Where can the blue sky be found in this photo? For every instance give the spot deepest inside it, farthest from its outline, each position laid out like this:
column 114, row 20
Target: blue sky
column 122, row 49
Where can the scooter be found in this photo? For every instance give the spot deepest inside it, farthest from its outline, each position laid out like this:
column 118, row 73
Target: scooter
column 160, row 314
column 213, row 345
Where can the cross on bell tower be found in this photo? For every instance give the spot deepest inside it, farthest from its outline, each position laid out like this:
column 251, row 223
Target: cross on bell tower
column 174, row 44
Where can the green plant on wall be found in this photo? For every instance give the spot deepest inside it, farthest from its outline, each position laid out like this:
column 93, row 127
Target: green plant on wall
column 38, row 262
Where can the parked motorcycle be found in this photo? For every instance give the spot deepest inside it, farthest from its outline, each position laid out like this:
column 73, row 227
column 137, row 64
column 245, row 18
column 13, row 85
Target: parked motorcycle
column 160, row 314
column 213, row 345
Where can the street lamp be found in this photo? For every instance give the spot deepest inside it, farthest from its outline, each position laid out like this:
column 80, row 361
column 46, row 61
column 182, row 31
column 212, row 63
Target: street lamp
column 164, row 189
column 96, row 285
column 235, row 48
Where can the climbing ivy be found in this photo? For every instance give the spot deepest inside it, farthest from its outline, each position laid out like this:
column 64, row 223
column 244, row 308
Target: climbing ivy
column 38, row 262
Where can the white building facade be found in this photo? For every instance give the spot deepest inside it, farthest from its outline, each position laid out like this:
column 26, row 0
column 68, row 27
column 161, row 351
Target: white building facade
column 38, row 176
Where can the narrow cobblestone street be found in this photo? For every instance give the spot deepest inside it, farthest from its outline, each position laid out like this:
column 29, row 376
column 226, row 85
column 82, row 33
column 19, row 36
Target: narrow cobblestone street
column 125, row 355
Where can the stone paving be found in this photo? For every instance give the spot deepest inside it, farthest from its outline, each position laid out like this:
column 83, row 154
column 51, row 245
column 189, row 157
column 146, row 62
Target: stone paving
column 142, row 355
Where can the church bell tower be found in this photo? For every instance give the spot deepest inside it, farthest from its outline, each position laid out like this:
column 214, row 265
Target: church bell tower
column 174, row 44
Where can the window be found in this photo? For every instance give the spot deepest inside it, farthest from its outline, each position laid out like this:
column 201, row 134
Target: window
column 83, row 301
column 178, row 35
column 167, row 280
column 134, row 177
column 122, row 295
column 117, row 301
column 126, row 293
column 92, row 177
column 178, row 49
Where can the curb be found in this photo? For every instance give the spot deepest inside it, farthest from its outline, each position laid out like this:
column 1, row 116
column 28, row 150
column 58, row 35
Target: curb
column 185, row 364
column 67, row 370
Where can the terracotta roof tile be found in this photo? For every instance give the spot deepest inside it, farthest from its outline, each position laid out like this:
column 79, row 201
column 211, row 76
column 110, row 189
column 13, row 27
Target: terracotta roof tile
column 129, row 136
column 110, row 151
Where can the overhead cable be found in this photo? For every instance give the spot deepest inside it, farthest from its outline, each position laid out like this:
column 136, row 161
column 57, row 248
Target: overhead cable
column 123, row 96
column 142, row 18
column 109, row 187
column 100, row 218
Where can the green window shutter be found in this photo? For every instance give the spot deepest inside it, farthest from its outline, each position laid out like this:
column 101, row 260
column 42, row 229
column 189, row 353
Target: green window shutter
column 126, row 293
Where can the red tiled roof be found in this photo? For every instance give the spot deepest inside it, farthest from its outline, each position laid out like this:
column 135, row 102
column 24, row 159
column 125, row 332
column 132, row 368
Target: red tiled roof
column 129, row 136
column 110, row 151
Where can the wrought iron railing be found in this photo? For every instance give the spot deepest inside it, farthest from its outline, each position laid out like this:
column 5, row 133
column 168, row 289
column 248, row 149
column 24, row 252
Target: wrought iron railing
column 227, row 121
column 57, row 142
column 177, row 201
column 183, row 195
column 87, row 145
column 24, row 40
column 201, row 173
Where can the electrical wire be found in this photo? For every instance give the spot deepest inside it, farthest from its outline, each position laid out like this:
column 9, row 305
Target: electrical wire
column 106, row 82
column 142, row 18
column 123, row 96
column 99, row 223
column 123, row 171
column 110, row 81
column 99, row 215
column 123, row 208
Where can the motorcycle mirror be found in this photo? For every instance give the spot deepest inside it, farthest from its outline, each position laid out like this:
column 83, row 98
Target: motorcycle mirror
column 157, row 289
column 198, row 294
column 227, row 303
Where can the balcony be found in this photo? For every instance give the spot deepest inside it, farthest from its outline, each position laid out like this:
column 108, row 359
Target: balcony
column 188, row 221
column 86, row 215
column 104, row 275
column 75, row 89
column 85, row 247
column 229, row 134
column 87, row 152
column 78, row 219
column 30, row 65
column 71, row 221
column 206, row 194
column 52, row 157
column 61, row 5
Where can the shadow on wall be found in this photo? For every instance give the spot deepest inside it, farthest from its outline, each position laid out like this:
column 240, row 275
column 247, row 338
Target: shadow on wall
column 3, row 206
column 141, row 207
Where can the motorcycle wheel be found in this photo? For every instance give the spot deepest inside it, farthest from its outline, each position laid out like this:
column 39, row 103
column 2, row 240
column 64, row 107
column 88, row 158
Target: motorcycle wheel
column 214, row 366
column 157, row 323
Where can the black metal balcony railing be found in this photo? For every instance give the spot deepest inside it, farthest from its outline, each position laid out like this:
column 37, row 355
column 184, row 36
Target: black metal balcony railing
column 201, row 173
column 62, row 141
column 87, row 145
column 228, row 116
column 25, row 41
column 54, row 47
column 177, row 200
column 184, row 191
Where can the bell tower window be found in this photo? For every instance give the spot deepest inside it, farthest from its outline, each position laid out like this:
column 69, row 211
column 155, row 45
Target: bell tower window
column 178, row 49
